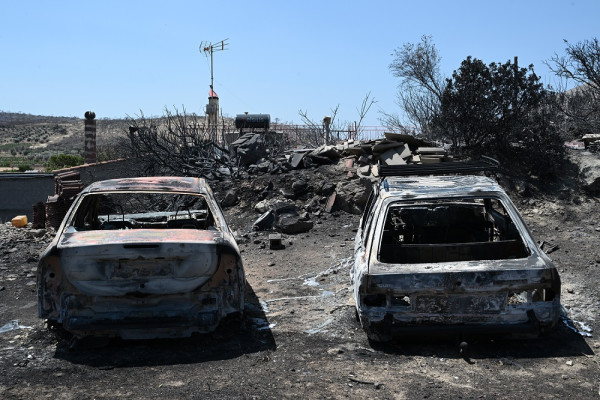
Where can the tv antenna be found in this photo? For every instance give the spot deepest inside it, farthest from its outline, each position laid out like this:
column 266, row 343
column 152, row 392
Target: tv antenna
column 209, row 48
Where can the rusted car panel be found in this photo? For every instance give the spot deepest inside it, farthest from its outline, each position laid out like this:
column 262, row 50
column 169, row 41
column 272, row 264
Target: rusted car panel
column 449, row 254
column 142, row 258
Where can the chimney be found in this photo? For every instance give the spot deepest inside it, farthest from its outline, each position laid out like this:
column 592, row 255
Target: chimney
column 89, row 154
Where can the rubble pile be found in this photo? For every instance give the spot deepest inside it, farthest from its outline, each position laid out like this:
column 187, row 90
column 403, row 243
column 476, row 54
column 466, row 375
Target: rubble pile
column 360, row 157
column 66, row 186
column 589, row 163
column 591, row 142
column 300, row 186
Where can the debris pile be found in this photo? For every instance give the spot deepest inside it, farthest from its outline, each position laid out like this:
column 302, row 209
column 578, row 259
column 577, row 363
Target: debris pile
column 66, row 186
column 360, row 157
column 293, row 190
column 591, row 142
column 282, row 215
column 39, row 215
column 589, row 163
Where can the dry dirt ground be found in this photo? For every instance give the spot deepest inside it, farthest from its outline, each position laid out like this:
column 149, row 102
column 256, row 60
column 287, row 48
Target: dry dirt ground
column 300, row 338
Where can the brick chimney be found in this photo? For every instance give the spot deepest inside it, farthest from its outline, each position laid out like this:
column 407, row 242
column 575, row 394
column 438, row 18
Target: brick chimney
column 89, row 154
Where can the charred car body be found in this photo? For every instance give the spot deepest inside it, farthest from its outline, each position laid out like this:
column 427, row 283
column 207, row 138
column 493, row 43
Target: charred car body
column 449, row 254
column 142, row 258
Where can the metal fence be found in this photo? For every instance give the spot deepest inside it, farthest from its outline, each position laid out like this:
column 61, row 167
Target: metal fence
column 315, row 135
column 294, row 136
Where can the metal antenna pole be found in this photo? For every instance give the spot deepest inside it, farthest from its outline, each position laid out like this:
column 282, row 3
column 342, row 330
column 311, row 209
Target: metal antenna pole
column 209, row 48
column 212, row 109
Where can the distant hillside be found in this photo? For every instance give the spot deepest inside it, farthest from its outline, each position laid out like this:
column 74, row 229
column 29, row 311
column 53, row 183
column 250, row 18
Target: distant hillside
column 27, row 139
column 11, row 119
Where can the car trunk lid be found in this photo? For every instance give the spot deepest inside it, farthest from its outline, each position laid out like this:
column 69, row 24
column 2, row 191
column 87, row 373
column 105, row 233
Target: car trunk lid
column 141, row 261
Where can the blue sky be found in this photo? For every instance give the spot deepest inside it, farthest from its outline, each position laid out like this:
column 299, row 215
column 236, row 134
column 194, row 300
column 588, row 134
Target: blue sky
column 119, row 57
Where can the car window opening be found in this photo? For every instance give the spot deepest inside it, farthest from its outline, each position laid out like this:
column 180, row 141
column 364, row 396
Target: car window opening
column 118, row 211
column 433, row 231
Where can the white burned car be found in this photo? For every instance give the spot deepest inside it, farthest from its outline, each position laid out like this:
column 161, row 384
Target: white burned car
column 449, row 254
column 142, row 258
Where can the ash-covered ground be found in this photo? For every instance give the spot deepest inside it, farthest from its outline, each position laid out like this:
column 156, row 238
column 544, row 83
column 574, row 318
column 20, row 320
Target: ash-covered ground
column 300, row 338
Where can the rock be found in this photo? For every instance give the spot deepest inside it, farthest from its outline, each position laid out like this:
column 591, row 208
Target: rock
column 249, row 148
column 239, row 238
column 265, row 221
column 299, row 187
column 293, row 224
column 308, row 162
column 314, row 204
column 230, row 198
column 288, row 194
column 352, row 195
column 364, row 170
column 589, row 173
column 277, row 205
column 37, row 233
column 364, row 160
column 264, row 166
column 296, row 160
column 522, row 188
column 326, row 189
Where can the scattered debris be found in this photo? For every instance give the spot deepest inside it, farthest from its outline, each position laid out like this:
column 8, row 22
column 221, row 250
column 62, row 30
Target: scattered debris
column 275, row 242
column 575, row 145
column 230, row 199
column 19, row 221
column 66, row 186
column 13, row 326
column 343, row 264
column 319, row 328
column 548, row 247
column 590, row 139
column 282, row 216
column 578, row 327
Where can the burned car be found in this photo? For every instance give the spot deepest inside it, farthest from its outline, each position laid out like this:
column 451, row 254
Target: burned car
column 142, row 258
column 449, row 254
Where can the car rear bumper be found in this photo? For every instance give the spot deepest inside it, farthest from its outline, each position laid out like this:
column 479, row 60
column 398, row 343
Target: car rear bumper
column 388, row 328
column 143, row 318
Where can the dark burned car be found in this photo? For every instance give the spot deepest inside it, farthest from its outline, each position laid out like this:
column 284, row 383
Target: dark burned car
column 142, row 258
column 450, row 255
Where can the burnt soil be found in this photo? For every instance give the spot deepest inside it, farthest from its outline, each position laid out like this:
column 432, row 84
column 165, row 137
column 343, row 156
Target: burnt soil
column 299, row 337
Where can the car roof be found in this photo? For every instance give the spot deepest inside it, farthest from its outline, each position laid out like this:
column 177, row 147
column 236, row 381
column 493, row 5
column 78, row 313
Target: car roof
column 154, row 184
column 437, row 186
